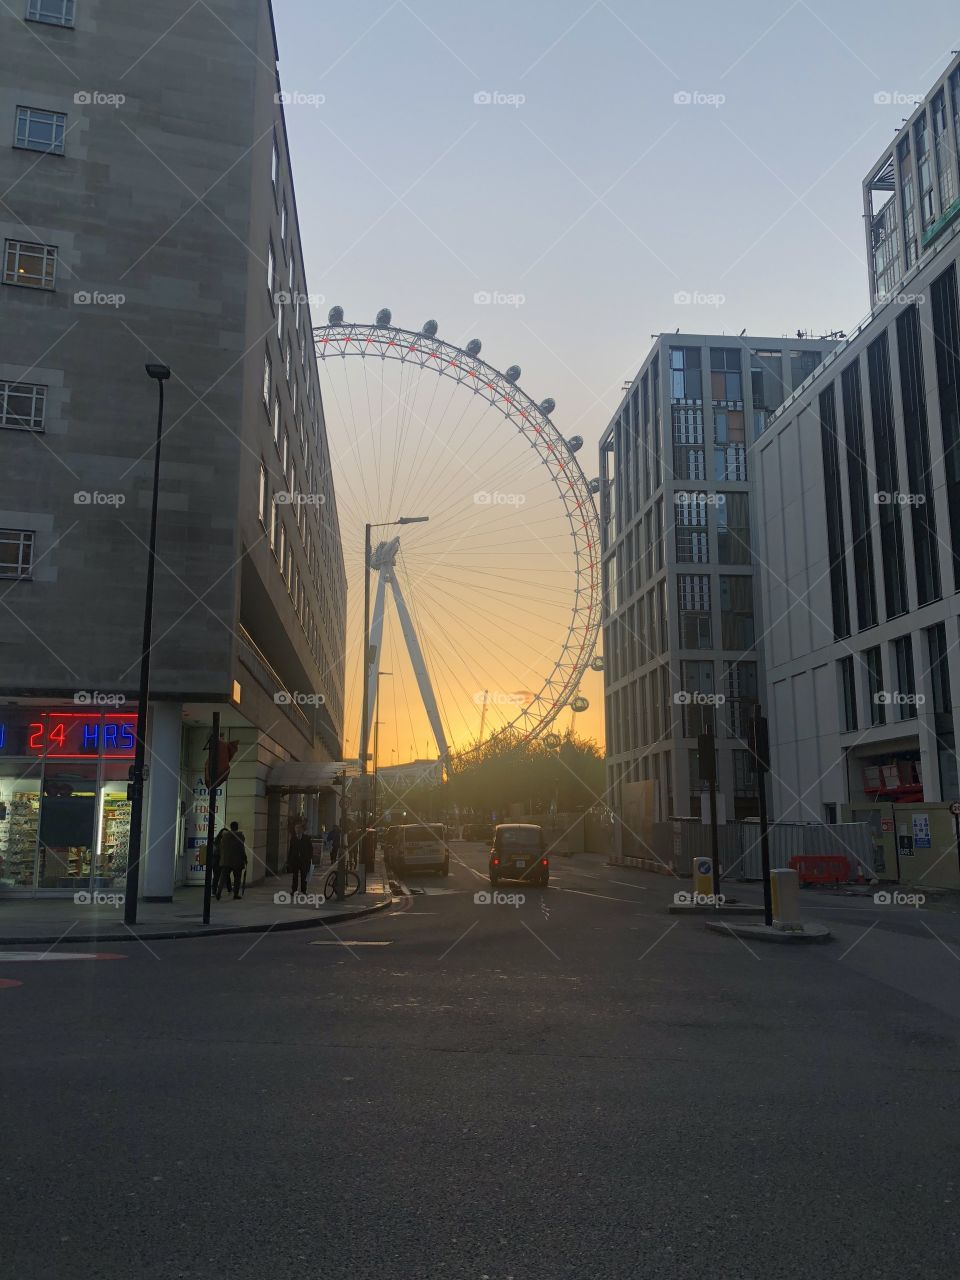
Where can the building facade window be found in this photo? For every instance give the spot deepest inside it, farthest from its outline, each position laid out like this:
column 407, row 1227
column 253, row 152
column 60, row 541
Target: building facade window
column 697, row 697
column 59, row 13
column 693, row 599
column 924, row 161
column 802, row 364
column 736, row 612
column 887, row 478
column 917, row 447
column 686, row 378
column 833, row 493
column 946, row 159
column 741, row 693
column 906, row 701
column 40, row 130
column 275, row 168
column 690, row 520
column 16, row 553
column 267, row 381
column 733, row 528
column 848, row 694
column 262, row 496
column 22, row 405
column 271, row 270
column 946, row 341
column 766, row 384
column 657, row 425
column 33, row 266
column 908, row 197
column 859, row 492
column 876, row 694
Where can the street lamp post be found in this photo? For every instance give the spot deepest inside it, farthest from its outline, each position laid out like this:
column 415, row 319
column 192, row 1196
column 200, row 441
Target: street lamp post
column 376, row 742
column 160, row 373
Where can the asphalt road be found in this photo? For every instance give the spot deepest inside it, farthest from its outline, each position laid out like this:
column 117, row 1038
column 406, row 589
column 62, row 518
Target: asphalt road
column 576, row 1086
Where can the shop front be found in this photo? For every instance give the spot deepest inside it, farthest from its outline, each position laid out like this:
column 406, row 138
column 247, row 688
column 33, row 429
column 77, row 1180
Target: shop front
column 64, row 812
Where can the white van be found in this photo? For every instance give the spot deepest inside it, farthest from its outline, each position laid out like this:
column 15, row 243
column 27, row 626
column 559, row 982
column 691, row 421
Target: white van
column 420, row 848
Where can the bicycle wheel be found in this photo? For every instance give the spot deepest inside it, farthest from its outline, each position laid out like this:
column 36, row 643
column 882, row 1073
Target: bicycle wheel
column 352, row 884
column 330, row 887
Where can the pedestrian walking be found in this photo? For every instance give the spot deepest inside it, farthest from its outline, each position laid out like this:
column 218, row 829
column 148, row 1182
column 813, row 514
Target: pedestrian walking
column 233, row 859
column 216, row 871
column 299, row 858
column 334, row 838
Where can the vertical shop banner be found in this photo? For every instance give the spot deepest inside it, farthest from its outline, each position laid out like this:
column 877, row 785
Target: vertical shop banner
column 921, row 831
column 196, row 833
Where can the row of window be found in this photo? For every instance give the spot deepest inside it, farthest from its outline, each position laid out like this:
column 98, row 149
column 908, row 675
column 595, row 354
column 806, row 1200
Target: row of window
column 875, row 490
column 646, row 710
column 269, row 500
column 926, row 164
column 695, row 613
column 637, row 635
column 899, row 697
column 632, row 458
column 692, row 531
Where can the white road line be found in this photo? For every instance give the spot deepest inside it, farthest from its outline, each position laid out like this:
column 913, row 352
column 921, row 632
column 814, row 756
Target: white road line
column 37, row 956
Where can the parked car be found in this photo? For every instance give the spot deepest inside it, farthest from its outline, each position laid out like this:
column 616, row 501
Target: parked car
column 519, row 853
column 420, row 848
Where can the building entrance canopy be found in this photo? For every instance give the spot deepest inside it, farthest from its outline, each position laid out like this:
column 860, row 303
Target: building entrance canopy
column 303, row 777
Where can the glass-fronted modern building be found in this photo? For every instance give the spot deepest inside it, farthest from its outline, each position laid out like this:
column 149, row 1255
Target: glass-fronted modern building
column 911, row 196
column 679, row 629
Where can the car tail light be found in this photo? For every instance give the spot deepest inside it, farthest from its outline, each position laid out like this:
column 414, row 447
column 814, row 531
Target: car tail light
column 543, row 862
column 496, row 862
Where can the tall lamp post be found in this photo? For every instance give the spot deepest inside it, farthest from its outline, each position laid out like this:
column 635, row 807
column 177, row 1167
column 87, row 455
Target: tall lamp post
column 160, row 373
column 376, row 742
column 367, row 656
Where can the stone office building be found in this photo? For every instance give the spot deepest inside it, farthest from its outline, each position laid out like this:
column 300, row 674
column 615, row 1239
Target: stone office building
column 150, row 216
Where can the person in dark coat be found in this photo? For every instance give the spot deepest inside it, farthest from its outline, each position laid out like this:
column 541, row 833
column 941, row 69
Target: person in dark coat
column 216, row 871
column 334, row 838
column 299, row 858
column 233, row 859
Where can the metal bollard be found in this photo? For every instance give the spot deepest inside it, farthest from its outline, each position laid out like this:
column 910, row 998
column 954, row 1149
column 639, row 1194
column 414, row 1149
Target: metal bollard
column 785, row 896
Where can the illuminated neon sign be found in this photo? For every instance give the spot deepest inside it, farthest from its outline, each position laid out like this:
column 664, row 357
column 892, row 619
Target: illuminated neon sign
column 72, row 735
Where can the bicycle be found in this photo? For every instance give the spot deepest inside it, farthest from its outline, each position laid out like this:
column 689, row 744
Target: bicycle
column 351, row 885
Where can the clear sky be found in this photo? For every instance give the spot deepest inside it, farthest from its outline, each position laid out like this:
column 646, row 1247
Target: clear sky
column 584, row 191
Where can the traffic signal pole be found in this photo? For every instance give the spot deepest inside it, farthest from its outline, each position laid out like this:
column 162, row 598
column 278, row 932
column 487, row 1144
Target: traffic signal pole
column 213, row 766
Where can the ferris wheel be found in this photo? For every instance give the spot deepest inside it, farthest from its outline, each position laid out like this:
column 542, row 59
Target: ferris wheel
column 496, row 581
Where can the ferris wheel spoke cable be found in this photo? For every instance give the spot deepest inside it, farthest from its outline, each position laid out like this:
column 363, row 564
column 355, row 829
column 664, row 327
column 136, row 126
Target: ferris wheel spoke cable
column 490, row 644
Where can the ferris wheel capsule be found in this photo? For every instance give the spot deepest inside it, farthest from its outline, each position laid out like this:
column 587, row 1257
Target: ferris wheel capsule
column 335, row 315
column 429, row 330
column 596, row 662
column 575, row 443
column 513, row 373
column 547, row 406
column 473, row 347
column 384, row 318
column 580, row 703
column 594, row 485
column 553, row 741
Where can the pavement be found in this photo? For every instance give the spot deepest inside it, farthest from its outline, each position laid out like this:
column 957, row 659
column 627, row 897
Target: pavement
column 52, row 921
column 550, row 1084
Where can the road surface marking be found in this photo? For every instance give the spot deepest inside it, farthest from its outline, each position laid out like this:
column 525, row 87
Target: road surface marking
column 57, row 955
column 328, row 942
